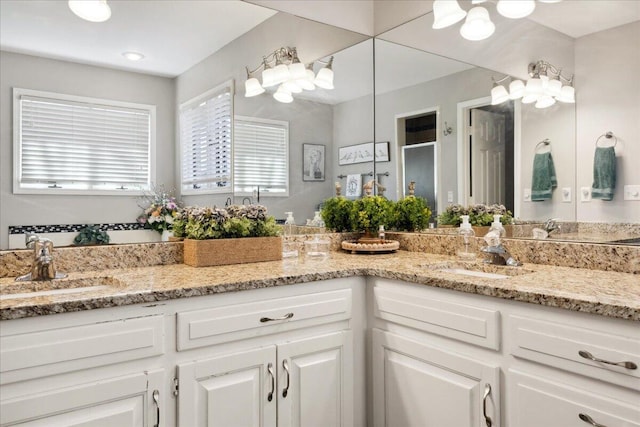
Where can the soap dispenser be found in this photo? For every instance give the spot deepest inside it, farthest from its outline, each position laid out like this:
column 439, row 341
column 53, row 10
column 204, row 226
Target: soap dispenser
column 465, row 250
column 497, row 227
column 289, row 247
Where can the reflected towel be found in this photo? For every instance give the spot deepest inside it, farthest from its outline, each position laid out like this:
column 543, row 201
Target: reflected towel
column 544, row 177
column 604, row 173
column 354, row 186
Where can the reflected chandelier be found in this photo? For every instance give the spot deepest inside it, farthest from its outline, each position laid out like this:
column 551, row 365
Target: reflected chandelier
column 283, row 67
column 546, row 86
column 478, row 25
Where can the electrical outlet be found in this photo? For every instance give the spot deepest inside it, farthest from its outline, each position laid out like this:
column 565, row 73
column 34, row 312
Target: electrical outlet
column 566, row 194
column 526, row 194
column 450, row 196
column 585, row 194
column 632, row 192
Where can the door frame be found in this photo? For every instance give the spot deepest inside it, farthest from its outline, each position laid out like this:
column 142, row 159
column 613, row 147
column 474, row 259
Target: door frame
column 463, row 151
column 400, row 136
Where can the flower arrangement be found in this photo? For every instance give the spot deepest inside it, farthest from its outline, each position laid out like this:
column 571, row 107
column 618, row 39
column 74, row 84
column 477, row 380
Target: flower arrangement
column 159, row 210
column 202, row 223
column 479, row 215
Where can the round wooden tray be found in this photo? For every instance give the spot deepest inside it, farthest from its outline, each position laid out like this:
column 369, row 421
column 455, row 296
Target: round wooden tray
column 357, row 247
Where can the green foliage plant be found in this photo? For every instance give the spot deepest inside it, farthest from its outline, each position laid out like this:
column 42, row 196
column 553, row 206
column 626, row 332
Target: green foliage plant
column 236, row 221
column 91, row 235
column 479, row 215
column 370, row 212
column 336, row 214
column 411, row 214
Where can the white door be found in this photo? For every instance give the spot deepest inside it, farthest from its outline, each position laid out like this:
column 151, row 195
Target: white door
column 415, row 385
column 487, row 147
column 125, row 401
column 236, row 390
column 539, row 402
column 315, row 378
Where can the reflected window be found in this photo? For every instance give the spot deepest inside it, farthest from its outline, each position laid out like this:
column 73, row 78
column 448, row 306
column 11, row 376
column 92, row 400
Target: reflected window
column 261, row 163
column 66, row 144
column 205, row 142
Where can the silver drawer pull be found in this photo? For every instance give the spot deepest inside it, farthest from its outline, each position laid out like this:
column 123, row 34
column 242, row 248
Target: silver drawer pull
column 285, row 365
column 156, row 401
column 627, row 365
column 587, row 419
column 487, row 392
column 273, row 382
column 274, row 319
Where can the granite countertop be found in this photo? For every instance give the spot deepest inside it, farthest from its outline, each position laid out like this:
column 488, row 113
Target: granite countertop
column 605, row 293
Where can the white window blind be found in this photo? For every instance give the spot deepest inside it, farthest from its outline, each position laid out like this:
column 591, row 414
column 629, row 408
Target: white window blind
column 205, row 139
column 260, row 154
column 68, row 144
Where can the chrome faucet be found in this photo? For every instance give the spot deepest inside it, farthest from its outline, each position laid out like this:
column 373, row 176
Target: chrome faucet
column 551, row 225
column 499, row 255
column 43, row 267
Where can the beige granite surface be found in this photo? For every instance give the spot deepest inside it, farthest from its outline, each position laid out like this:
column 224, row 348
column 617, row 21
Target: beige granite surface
column 605, row 293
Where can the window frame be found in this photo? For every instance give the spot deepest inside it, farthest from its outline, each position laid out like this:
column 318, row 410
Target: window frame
column 17, row 143
column 285, row 124
column 198, row 99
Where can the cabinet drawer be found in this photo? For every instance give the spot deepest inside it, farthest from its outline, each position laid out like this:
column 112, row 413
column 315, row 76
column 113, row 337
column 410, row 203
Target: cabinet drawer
column 558, row 345
column 420, row 310
column 47, row 352
column 544, row 402
column 200, row 328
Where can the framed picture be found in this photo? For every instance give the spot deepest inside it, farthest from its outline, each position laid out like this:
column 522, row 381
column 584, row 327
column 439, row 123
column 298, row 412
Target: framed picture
column 362, row 153
column 313, row 162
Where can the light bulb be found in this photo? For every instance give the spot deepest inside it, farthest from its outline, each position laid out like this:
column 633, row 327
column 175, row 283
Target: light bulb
column 554, row 87
column 283, row 95
column 534, row 87
column 446, row 13
column 545, row 101
column 280, row 74
column 478, row 25
column 567, row 95
column 252, row 87
column 292, row 86
column 306, row 83
column 515, row 9
column 324, row 79
column 91, row 10
column 499, row 95
column 268, row 78
column 516, row 89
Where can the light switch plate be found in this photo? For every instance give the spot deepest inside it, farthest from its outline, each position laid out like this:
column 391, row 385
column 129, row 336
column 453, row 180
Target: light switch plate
column 566, row 194
column 450, row 196
column 526, row 194
column 585, row 194
column 632, row 192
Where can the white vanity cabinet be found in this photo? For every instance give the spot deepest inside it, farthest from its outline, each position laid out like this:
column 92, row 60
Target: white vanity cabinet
column 84, row 369
column 419, row 379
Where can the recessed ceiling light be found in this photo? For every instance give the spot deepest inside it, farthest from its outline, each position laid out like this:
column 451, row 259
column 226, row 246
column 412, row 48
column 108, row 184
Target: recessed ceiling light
column 91, row 10
column 133, row 56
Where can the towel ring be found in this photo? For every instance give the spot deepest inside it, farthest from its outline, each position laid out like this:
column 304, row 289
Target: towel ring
column 544, row 142
column 608, row 135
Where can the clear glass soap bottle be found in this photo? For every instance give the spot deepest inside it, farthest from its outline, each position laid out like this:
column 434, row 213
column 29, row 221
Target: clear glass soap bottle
column 289, row 247
column 466, row 242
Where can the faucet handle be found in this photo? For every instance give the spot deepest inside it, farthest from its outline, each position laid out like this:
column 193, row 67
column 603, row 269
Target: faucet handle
column 30, row 240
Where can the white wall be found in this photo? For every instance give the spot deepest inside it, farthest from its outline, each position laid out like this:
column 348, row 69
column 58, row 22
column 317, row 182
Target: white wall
column 30, row 72
column 608, row 99
column 309, row 122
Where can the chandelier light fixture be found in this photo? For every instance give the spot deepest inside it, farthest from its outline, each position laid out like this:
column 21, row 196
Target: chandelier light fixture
column 478, row 25
column 546, row 86
column 282, row 68
column 91, row 10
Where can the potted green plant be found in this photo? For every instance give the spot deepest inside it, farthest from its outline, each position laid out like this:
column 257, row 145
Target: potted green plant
column 369, row 213
column 234, row 235
column 336, row 214
column 411, row 214
column 91, row 235
column 480, row 217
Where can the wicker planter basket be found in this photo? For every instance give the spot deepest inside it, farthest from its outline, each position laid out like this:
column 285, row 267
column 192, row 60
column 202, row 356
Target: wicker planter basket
column 206, row 253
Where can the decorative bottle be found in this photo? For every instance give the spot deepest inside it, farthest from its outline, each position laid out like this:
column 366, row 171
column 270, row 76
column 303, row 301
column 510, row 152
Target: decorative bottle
column 466, row 245
column 289, row 248
column 381, row 233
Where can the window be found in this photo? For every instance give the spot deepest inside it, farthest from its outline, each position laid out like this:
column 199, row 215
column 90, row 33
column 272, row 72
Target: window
column 67, row 144
column 205, row 141
column 261, row 149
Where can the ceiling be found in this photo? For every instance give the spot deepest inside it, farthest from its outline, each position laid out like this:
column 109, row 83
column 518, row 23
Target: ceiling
column 175, row 35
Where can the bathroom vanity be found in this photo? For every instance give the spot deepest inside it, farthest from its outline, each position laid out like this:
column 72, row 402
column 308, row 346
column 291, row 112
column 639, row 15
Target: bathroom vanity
column 382, row 340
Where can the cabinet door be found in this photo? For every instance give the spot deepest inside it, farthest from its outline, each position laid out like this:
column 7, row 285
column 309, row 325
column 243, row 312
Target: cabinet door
column 236, row 390
column 119, row 402
column 418, row 385
column 538, row 402
column 315, row 381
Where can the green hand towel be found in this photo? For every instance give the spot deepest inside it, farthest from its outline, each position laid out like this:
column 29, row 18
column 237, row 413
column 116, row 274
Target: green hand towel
column 544, row 177
column 604, row 173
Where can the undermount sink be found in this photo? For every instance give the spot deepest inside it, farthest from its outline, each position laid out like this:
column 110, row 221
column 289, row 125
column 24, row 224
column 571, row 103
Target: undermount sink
column 485, row 271
column 30, row 289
